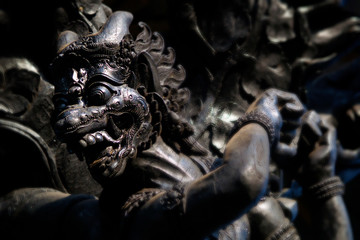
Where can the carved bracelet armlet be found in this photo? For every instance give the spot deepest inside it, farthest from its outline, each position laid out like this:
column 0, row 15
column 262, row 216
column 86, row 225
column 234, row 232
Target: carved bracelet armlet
column 172, row 199
column 138, row 199
column 285, row 232
column 259, row 118
column 326, row 189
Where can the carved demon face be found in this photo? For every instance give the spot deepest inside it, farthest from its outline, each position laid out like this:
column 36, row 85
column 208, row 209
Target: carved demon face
column 98, row 107
column 97, row 112
column 107, row 120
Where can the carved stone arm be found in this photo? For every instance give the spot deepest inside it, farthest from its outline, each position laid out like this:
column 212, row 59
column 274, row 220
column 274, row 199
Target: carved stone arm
column 223, row 195
column 214, row 200
column 268, row 221
column 323, row 214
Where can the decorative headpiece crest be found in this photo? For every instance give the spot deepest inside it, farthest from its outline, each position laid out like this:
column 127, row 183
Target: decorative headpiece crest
column 166, row 79
column 109, row 53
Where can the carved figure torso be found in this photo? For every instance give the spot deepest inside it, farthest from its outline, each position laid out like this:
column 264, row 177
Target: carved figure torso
column 127, row 127
column 165, row 168
column 119, row 103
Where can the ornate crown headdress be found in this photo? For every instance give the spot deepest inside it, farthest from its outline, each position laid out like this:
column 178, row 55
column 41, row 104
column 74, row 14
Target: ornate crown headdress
column 109, row 53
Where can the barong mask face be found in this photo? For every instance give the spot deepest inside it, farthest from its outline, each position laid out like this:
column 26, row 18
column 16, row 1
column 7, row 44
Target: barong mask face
column 113, row 94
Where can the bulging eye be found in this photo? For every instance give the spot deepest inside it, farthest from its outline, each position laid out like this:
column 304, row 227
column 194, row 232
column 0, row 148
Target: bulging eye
column 99, row 95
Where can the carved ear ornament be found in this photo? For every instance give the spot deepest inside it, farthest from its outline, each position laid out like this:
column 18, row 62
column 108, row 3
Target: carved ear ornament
column 156, row 66
column 162, row 82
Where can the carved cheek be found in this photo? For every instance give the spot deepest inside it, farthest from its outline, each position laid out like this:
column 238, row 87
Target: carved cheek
column 116, row 103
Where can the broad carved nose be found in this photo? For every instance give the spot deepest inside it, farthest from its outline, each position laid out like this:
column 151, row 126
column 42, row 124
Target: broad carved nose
column 77, row 120
column 69, row 119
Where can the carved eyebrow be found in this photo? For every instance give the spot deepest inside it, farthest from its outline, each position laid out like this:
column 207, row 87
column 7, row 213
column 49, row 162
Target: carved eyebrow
column 104, row 79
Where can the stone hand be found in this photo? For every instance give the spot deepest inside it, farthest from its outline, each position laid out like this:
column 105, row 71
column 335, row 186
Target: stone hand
column 319, row 164
column 284, row 110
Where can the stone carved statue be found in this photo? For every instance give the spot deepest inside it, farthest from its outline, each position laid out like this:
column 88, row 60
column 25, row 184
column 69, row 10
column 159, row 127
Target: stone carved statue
column 118, row 101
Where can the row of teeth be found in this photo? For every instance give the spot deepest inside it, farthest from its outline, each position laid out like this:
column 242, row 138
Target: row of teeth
column 93, row 138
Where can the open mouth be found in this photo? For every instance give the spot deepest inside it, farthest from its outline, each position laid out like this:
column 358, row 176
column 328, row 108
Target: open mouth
column 118, row 125
column 107, row 151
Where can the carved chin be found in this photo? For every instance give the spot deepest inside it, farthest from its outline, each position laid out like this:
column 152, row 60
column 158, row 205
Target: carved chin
column 107, row 152
column 109, row 163
column 107, row 157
